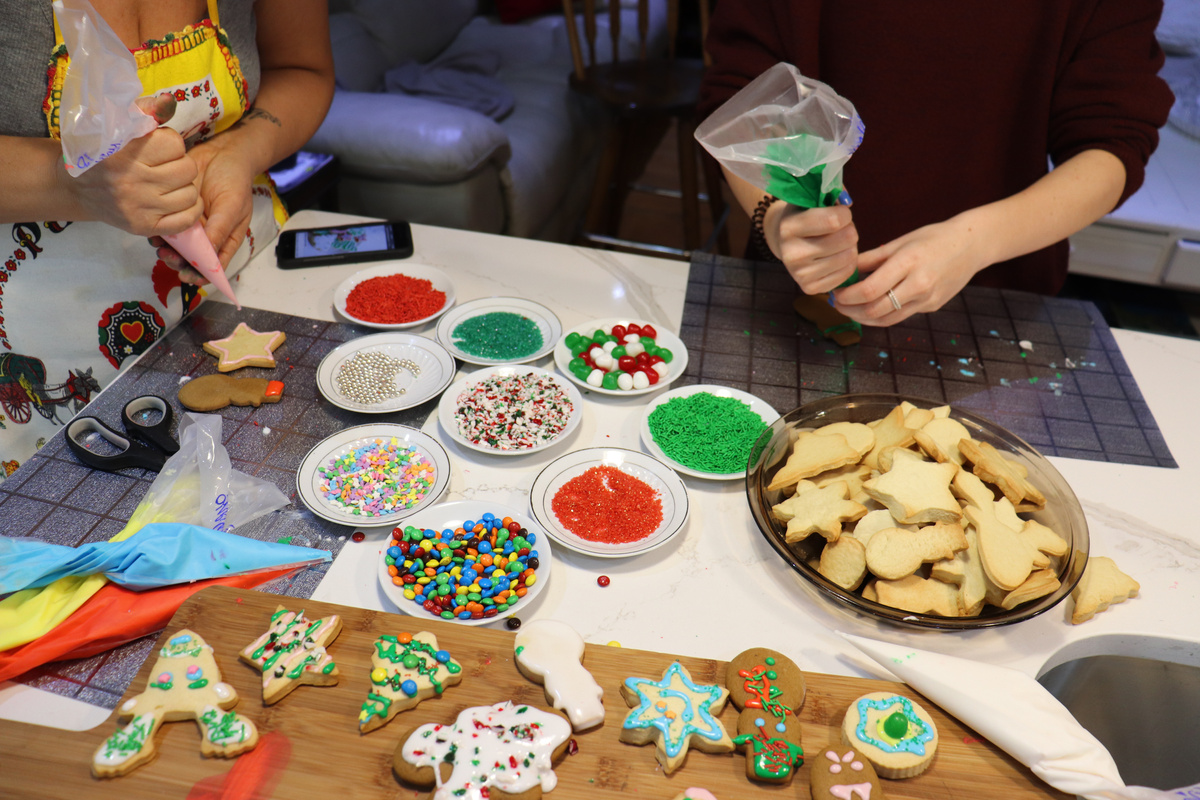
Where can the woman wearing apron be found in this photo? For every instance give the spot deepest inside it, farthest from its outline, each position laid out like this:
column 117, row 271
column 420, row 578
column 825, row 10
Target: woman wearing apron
column 83, row 289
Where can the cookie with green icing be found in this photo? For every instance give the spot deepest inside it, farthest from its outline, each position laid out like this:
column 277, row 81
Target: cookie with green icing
column 292, row 652
column 769, row 689
column 405, row 669
column 894, row 733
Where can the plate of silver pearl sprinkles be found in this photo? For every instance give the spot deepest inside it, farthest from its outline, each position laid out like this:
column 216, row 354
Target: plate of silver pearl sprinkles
column 385, row 372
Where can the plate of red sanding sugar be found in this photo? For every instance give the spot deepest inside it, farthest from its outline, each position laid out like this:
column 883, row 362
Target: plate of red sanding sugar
column 373, row 474
column 706, row 431
column 510, row 411
column 499, row 330
column 394, row 295
column 609, row 502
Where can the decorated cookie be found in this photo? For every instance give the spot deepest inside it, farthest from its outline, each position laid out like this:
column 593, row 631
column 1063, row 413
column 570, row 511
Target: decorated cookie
column 184, row 684
column 695, row 793
column 406, row 669
column 245, row 347
column 769, row 689
column 501, row 751
column 843, row 773
column 292, row 652
column 216, row 391
column 551, row 653
column 895, row 734
column 674, row 713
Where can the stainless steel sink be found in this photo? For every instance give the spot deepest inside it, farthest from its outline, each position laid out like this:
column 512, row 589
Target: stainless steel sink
column 1145, row 711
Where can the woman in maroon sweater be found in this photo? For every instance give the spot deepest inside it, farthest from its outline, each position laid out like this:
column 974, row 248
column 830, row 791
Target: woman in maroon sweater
column 964, row 104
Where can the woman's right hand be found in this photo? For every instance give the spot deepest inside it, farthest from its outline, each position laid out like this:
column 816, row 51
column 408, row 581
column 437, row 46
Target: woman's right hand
column 819, row 246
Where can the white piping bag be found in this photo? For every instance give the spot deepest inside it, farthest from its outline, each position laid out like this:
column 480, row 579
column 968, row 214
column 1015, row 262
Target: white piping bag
column 1015, row 713
column 98, row 116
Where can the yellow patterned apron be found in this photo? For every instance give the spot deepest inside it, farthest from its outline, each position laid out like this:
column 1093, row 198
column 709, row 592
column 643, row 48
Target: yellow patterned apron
column 79, row 300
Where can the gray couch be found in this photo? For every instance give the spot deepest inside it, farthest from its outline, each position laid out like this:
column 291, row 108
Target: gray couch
column 409, row 157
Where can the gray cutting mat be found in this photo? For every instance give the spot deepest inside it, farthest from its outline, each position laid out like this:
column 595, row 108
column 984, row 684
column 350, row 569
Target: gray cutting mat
column 55, row 498
column 1048, row 369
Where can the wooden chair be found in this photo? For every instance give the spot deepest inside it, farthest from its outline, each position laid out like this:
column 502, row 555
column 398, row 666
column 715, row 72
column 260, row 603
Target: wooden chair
column 644, row 94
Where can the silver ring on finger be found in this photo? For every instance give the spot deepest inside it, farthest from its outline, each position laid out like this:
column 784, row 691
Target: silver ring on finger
column 892, row 296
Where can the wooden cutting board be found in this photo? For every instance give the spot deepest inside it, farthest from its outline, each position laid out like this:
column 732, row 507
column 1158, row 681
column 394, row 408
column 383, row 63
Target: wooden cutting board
column 316, row 751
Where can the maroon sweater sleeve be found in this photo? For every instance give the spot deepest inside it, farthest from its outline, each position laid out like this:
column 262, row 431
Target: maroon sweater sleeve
column 1107, row 94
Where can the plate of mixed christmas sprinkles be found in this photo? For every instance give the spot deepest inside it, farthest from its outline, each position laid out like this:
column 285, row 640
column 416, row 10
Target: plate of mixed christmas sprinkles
column 609, row 502
column 470, row 561
column 384, row 372
column 394, row 295
column 706, row 431
column 373, row 474
column 620, row 356
column 499, row 330
column 510, row 411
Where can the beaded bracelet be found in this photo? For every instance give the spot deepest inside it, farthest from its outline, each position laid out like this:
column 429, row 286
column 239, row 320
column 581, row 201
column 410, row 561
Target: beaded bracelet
column 756, row 228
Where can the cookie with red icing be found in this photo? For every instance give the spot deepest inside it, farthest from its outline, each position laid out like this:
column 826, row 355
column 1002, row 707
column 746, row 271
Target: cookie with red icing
column 769, row 689
column 843, row 773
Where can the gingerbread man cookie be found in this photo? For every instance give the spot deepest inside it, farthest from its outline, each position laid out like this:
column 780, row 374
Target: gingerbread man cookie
column 184, row 684
column 769, row 689
column 216, row 391
column 551, row 653
column 674, row 713
column 843, row 773
column 292, row 652
column 245, row 347
column 406, row 669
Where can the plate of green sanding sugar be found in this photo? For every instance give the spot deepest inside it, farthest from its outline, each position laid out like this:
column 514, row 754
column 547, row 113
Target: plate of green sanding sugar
column 706, row 431
column 492, row 331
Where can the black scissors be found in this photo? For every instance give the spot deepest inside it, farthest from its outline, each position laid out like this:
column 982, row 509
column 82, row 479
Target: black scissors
column 147, row 420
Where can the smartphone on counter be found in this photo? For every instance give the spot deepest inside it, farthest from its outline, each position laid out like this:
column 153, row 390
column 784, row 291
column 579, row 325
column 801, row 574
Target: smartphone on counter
column 343, row 244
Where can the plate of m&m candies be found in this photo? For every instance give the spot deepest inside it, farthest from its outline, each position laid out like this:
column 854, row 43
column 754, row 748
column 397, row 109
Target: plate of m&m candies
column 470, row 562
column 621, row 356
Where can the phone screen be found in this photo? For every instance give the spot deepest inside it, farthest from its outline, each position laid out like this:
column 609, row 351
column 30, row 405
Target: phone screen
column 345, row 241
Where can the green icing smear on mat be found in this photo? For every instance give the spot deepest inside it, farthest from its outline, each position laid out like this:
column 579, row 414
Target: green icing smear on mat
column 498, row 335
column 706, row 433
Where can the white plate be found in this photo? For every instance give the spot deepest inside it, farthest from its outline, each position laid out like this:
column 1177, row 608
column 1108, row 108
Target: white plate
column 563, row 356
column 448, row 407
column 547, row 323
column 657, row 475
column 436, row 367
column 308, row 476
column 439, row 280
column 760, row 407
column 451, row 515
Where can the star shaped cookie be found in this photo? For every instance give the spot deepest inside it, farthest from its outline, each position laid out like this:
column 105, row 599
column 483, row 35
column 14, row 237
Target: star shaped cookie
column 674, row 713
column 245, row 347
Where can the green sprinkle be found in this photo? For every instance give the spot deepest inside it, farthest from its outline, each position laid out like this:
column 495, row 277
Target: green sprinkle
column 706, row 433
column 498, row 335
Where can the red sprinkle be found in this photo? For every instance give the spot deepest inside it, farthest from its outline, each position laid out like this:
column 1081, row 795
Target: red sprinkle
column 603, row 580
column 394, row 300
column 606, row 505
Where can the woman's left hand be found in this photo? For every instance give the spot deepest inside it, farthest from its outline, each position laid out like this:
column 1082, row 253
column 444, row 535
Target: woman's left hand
column 918, row 272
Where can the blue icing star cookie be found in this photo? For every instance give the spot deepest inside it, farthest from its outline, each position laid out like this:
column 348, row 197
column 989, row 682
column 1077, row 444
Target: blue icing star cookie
column 675, row 713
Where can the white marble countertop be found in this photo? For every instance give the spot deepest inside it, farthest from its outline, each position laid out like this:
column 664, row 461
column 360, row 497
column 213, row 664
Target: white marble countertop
column 718, row 588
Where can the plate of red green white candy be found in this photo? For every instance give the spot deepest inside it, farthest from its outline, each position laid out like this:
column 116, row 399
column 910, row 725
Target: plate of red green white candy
column 501, row 557
column 499, row 330
column 706, row 431
column 620, row 356
column 609, row 502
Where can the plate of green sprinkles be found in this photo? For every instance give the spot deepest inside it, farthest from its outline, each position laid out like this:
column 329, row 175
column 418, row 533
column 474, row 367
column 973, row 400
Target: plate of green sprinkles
column 373, row 474
column 510, row 410
column 499, row 330
column 706, row 431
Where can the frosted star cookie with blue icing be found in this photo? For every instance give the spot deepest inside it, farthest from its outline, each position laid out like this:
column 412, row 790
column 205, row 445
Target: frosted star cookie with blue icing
column 184, row 684
column 675, row 713
column 895, row 734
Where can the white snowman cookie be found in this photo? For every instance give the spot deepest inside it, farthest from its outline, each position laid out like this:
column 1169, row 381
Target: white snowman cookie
column 551, row 653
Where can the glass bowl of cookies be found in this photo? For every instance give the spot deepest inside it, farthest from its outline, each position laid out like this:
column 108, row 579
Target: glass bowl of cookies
column 917, row 513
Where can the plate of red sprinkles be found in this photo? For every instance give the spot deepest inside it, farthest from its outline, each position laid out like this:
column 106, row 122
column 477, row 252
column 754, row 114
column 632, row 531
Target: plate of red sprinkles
column 511, row 410
column 609, row 502
column 394, row 295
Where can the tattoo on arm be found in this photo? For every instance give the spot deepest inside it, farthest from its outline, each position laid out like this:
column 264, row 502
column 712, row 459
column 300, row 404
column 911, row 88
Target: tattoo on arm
column 260, row 113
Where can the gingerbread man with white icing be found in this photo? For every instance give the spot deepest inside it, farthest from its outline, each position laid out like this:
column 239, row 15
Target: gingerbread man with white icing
column 551, row 653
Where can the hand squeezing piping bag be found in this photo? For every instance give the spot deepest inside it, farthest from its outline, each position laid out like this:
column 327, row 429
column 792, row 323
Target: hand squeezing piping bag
column 193, row 244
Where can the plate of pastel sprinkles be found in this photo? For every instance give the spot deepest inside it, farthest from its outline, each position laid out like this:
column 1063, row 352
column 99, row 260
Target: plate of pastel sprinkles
column 609, row 502
column 373, row 474
column 706, row 431
column 499, row 330
column 510, row 411
column 470, row 561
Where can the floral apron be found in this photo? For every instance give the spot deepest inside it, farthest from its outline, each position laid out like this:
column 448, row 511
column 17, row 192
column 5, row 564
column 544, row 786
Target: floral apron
column 79, row 300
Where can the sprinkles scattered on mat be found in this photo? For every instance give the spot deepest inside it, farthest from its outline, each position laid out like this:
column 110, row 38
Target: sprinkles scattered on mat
column 513, row 412
column 377, row 478
column 498, row 336
column 706, row 433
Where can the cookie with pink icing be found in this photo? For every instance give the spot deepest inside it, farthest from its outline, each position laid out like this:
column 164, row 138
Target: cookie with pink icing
column 843, row 773
column 550, row 652
column 501, row 751
column 292, row 652
column 695, row 793
column 245, row 347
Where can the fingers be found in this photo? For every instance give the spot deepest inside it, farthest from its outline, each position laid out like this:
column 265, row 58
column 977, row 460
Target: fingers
column 819, row 247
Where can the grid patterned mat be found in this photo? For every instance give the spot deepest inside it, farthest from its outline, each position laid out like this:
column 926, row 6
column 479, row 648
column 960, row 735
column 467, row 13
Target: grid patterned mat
column 55, row 498
column 1048, row 369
